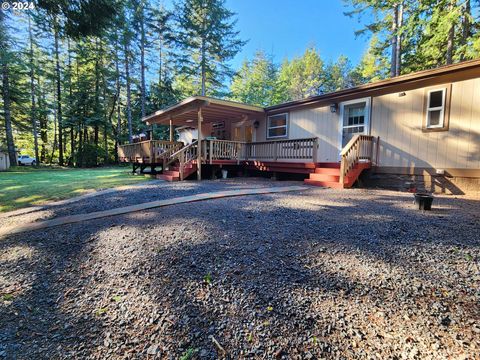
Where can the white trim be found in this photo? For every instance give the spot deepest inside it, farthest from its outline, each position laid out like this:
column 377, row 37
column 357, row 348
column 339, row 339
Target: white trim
column 441, row 122
column 366, row 125
column 286, row 126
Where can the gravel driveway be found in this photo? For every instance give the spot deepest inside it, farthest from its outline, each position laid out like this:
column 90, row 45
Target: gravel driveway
column 316, row 274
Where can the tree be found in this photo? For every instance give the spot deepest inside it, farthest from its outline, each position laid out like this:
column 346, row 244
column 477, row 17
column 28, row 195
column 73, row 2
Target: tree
column 372, row 67
column 33, row 111
column 126, row 51
column 256, row 81
column 208, row 40
column 5, row 59
column 338, row 75
column 140, row 24
column 302, row 77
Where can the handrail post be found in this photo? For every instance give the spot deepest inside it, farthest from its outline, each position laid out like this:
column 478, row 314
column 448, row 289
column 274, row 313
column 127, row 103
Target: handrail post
column 152, row 152
column 342, row 169
column 275, row 151
column 315, row 150
column 210, row 151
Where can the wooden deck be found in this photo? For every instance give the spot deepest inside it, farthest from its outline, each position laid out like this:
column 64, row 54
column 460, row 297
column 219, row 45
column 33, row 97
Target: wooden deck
column 296, row 156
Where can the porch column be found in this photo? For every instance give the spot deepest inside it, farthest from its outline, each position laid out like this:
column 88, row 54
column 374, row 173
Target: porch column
column 199, row 145
column 171, row 130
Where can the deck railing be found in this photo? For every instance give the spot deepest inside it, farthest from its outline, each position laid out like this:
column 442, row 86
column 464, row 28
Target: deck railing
column 295, row 149
column 166, row 152
column 225, row 150
column 358, row 149
column 151, row 151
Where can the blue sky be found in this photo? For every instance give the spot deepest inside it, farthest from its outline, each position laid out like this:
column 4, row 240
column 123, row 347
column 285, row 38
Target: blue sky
column 284, row 28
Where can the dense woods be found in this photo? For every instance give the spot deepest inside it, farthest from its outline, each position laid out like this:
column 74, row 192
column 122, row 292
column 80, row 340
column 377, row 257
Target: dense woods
column 78, row 76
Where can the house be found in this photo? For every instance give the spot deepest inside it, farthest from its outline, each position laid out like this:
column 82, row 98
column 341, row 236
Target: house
column 416, row 130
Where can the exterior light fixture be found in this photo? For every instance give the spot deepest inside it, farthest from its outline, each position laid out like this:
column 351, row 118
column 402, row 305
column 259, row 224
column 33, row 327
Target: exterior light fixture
column 333, row 108
column 188, row 121
column 403, row 93
column 256, row 124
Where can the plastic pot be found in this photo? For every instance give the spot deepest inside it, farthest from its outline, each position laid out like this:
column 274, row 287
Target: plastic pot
column 423, row 201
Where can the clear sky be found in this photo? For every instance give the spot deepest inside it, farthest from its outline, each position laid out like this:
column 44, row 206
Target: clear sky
column 284, row 28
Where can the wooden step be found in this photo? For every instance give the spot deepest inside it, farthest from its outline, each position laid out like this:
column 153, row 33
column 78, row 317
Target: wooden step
column 171, row 173
column 325, row 177
column 329, row 184
column 292, row 170
column 167, row 177
column 327, row 171
column 329, row 165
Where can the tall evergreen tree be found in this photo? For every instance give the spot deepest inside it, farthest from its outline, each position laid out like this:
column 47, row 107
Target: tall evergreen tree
column 208, row 40
column 5, row 57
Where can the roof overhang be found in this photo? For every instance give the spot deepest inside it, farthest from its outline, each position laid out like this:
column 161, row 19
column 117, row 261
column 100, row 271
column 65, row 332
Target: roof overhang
column 185, row 113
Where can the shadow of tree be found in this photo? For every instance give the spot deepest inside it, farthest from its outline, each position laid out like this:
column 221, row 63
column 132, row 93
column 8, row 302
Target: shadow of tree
column 333, row 274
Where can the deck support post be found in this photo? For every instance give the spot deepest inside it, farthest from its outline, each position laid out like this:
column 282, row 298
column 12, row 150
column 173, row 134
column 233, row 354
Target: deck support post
column 171, row 130
column 199, row 145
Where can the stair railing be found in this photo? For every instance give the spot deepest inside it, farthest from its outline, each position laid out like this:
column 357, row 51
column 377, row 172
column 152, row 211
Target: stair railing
column 184, row 156
column 358, row 149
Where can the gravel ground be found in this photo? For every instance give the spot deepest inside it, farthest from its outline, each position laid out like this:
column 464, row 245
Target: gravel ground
column 135, row 194
column 315, row 274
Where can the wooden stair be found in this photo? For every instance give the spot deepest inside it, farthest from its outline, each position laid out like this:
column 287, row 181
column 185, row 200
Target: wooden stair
column 328, row 175
column 281, row 167
column 173, row 173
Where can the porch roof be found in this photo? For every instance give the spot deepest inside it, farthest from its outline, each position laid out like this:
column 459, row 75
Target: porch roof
column 185, row 112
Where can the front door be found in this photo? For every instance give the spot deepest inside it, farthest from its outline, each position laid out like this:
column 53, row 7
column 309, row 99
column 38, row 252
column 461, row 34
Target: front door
column 354, row 119
column 248, row 133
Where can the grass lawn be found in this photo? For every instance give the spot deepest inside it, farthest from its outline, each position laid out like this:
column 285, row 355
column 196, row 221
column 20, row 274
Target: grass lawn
column 26, row 186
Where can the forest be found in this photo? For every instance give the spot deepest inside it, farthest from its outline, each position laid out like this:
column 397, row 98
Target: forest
column 79, row 75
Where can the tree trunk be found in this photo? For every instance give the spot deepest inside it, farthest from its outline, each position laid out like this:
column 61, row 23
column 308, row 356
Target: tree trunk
column 398, row 50
column 6, row 109
column 70, row 107
column 142, row 58
column 466, row 27
column 119, row 123
column 43, row 123
column 451, row 37
column 393, row 62
column 54, row 133
column 33, row 111
column 97, row 99
column 6, row 92
column 127, row 75
column 204, row 75
column 203, row 55
column 59, row 93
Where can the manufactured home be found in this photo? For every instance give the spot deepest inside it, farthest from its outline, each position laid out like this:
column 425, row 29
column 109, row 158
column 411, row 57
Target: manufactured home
column 417, row 130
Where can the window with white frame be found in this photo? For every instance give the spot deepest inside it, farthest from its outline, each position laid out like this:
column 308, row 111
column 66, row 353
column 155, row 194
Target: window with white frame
column 435, row 108
column 277, row 126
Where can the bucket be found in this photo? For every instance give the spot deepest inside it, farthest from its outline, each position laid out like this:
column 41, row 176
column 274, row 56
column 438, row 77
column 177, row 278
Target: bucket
column 224, row 174
column 423, row 201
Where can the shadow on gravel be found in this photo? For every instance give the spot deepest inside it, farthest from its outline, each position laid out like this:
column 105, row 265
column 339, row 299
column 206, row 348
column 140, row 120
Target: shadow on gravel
column 256, row 273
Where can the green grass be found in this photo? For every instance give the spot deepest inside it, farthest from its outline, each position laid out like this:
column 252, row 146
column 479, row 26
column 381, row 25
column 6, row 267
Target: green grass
column 26, row 186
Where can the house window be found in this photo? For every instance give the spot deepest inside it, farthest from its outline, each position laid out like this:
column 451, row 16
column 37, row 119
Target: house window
column 277, row 126
column 354, row 120
column 435, row 111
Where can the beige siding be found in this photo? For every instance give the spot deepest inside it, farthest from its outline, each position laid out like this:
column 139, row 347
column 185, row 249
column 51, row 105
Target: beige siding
column 308, row 123
column 398, row 122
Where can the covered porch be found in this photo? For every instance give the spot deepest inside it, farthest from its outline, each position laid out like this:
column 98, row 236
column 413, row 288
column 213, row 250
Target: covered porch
column 224, row 134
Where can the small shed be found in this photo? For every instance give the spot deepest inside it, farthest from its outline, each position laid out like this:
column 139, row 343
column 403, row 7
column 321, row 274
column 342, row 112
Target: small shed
column 4, row 159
